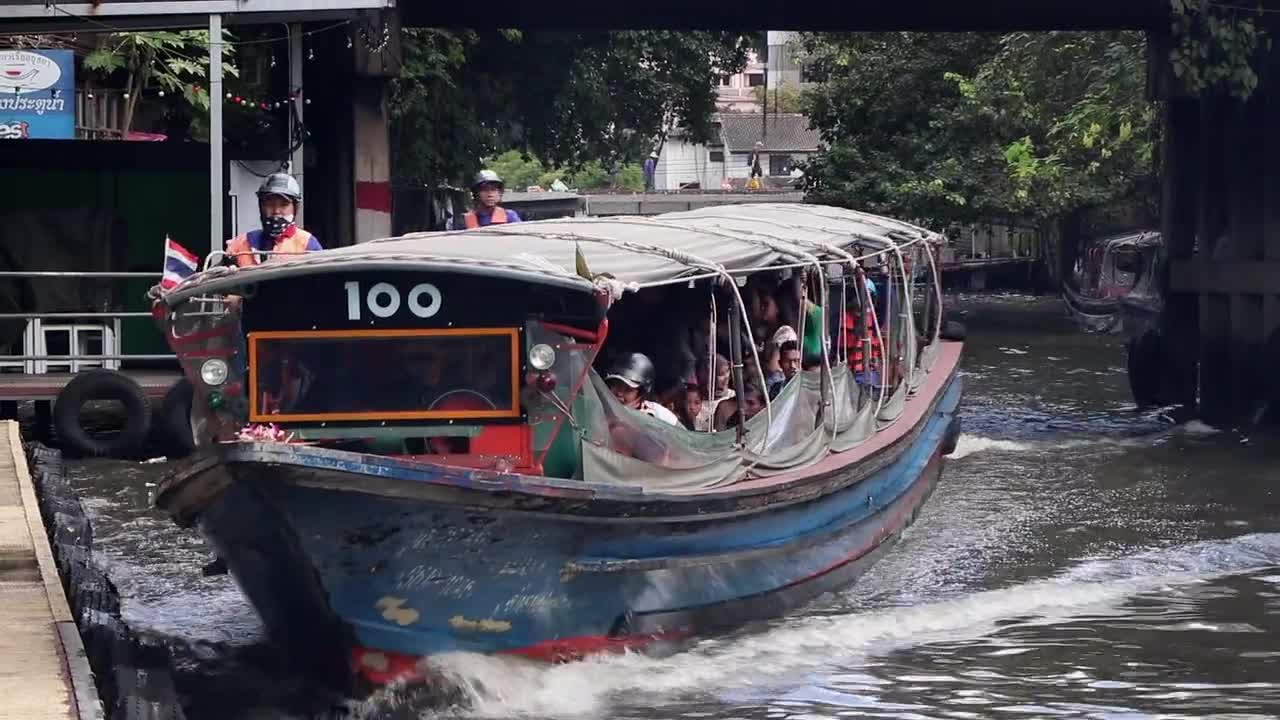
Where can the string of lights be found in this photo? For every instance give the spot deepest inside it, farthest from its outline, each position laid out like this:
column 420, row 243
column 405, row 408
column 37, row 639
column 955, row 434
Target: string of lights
column 374, row 40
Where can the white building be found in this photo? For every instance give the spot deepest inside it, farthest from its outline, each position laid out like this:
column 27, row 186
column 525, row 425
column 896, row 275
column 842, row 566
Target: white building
column 725, row 163
column 778, row 68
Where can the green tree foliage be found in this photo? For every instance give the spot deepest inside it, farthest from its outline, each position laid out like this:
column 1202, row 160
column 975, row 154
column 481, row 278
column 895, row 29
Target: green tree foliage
column 520, row 171
column 785, row 99
column 569, row 98
column 1215, row 46
column 176, row 62
column 970, row 127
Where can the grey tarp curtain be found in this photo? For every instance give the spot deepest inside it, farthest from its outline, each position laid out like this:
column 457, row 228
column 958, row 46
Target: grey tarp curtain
column 621, row 445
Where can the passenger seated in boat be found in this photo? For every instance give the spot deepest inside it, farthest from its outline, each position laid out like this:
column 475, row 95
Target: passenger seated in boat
column 717, row 390
column 690, row 406
column 752, row 403
column 789, row 360
column 775, row 378
column 631, row 381
column 765, row 311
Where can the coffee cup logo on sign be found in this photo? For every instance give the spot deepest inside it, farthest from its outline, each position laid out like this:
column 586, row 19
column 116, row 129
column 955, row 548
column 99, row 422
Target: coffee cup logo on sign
column 27, row 72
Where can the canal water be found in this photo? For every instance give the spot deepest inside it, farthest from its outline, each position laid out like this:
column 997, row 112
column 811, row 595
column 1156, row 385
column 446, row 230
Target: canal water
column 1079, row 559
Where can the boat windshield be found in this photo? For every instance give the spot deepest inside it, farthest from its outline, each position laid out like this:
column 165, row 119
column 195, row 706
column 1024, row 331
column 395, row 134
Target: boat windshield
column 384, row 375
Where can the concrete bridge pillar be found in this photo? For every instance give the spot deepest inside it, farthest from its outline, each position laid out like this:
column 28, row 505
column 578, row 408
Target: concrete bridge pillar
column 376, row 56
column 372, row 161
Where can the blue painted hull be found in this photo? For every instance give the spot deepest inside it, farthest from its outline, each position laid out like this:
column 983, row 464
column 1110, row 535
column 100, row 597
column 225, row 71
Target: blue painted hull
column 335, row 553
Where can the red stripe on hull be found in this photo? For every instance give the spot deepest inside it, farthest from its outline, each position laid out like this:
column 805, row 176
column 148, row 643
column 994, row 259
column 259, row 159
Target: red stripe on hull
column 382, row 667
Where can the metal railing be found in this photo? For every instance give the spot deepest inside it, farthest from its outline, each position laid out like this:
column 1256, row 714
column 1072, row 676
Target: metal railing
column 92, row 314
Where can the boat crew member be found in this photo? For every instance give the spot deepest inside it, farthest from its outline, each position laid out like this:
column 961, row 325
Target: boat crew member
column 631, row 381
column 487, row 189
column 278, row 199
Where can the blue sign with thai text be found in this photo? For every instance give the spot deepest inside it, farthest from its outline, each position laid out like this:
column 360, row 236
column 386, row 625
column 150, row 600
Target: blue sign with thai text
column 37, row 94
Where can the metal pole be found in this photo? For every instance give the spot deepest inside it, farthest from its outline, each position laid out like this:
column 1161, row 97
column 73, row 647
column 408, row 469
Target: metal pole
column 71, row 315
column 735, row 355
column 68, row 273
column 79, row 357
column 215, row 133
column 295, row 88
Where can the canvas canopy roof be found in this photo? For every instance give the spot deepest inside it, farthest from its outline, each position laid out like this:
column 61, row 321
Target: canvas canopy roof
column 1133, row 240
column 633, row 251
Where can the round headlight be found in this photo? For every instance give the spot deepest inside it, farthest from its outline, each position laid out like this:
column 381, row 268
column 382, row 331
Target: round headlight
column 542, row 356
column 214, row 371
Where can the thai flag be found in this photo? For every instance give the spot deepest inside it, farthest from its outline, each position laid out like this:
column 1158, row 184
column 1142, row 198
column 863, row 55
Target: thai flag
column 179, row 264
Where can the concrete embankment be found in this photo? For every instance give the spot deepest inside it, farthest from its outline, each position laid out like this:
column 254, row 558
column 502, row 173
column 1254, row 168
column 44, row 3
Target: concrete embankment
column 72, row 655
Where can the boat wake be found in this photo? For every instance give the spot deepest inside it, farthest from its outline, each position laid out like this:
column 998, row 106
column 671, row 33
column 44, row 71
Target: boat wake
column 786, row 653
column 973, row 444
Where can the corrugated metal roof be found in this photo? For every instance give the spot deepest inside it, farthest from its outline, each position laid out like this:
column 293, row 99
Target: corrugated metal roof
column 636, row 251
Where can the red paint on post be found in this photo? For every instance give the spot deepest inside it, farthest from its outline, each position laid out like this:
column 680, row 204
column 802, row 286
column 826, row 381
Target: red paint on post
column 373, row 196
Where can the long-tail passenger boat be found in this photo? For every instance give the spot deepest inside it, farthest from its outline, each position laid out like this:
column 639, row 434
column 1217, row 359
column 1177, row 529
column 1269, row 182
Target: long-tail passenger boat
column 1110, row 271
column 409, row 447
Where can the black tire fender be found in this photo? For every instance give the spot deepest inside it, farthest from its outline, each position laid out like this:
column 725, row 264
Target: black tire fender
column 102, row 385
column 953, row 330
column 175, row 417
column 1144, row 361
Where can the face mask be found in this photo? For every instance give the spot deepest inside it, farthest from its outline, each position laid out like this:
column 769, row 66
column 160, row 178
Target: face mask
column 276, row 225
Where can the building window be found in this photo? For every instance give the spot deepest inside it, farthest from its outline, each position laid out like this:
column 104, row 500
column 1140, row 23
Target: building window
column 755, row 80
column 725, row 80
column 716, row 156
column 780, row 164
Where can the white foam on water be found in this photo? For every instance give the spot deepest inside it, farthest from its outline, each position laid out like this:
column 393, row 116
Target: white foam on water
column 790, row 648
column 970, row 444
column 1197, row 427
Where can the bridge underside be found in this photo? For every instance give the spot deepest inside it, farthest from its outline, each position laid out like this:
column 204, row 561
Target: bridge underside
column 850, row 15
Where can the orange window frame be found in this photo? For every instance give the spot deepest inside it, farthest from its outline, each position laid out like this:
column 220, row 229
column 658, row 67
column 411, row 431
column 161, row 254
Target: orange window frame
column 513, row 412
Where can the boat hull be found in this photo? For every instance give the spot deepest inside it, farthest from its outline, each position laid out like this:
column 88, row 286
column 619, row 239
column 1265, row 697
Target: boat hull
column 1096, row 315
column 341, row 557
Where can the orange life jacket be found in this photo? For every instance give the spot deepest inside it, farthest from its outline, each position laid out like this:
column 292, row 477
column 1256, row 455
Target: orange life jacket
column 854, row 337
column 246, row 255
column 473, row 220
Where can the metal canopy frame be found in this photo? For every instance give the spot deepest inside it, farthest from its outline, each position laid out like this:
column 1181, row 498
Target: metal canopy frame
column 45, row 16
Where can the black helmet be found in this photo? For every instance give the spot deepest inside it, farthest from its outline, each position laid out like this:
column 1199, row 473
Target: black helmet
column 282, row 184
column 485, row 177
column 634, row 369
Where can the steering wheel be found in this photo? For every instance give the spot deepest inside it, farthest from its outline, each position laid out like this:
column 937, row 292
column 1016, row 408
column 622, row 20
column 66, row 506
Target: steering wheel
column 463, row 393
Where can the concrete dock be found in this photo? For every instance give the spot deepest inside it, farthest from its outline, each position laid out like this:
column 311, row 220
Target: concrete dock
column 44, row 672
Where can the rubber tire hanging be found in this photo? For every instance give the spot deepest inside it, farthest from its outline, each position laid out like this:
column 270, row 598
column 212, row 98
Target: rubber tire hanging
column 102, row 385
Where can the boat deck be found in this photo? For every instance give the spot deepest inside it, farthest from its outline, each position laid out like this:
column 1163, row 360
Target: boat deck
column 43, row 669
column 21, row 386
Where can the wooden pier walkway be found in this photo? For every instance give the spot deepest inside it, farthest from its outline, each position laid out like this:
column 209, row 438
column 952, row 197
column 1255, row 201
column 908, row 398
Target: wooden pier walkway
column 44, row 672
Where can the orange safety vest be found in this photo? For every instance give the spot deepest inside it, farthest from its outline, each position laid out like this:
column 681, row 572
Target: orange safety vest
column 246, row 255
column 473, row 220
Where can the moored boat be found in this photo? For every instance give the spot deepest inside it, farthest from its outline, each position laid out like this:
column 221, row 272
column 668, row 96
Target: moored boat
column 1108, row 271
column 429, row 443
